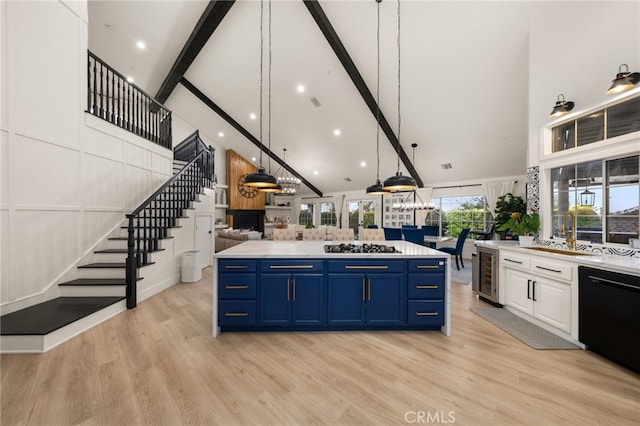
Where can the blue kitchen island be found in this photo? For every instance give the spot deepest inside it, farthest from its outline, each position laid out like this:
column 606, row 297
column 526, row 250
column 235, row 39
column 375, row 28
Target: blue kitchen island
column 312, row 286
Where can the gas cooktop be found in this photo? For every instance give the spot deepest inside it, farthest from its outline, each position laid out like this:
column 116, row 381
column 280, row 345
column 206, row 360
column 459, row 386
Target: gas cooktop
column 359, row 248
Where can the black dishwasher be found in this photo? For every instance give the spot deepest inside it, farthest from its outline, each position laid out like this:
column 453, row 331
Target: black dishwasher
column 609, row 315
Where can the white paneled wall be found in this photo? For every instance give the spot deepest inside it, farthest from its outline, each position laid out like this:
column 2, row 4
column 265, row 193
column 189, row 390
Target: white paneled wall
column 68, row 178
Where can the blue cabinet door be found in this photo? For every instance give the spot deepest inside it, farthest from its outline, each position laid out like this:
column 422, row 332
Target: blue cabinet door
column 346, row 295
column 275, row 299
column 385, row 299
column 308, row 299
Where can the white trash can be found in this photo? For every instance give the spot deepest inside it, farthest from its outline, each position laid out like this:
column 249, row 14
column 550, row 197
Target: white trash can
column 191, row 271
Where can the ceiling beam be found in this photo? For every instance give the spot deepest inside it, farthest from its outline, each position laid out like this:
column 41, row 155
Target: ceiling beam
column 212, row 105
column 215, row 11
column 341, row 52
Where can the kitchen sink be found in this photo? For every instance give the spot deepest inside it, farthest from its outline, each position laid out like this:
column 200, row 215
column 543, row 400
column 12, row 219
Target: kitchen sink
column 559, row 251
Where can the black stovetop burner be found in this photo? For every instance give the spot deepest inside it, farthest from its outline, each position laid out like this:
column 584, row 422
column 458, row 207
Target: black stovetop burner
column 359, row 248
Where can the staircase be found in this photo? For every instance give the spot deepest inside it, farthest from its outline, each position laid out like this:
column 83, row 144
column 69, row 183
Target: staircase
column 108, row 277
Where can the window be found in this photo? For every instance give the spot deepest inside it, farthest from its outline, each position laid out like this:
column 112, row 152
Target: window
column 617, row 197
column 306, row 216
column 328, row 214
column 453, row 214
column 616, row 120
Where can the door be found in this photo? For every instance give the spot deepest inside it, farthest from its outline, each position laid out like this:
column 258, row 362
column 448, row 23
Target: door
column 552, row 303
column 275, row 293
column 384, row 299
column 518, row 291
column 204, row 239
column 346, row 294
column 308, row 299
column 361, row 215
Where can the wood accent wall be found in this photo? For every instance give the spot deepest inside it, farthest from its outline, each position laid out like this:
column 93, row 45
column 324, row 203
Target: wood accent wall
column 236, row 167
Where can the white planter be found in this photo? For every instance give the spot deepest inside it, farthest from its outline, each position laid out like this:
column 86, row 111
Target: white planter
column 525, row 240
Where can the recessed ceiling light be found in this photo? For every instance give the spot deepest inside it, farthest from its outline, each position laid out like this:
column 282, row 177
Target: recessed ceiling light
column 300, row 88
column 130, row 79
column 221, row 134
column 253, row 159
column 363, row 164
column 141, row 45
column 315, row 172
column 253, row 116
column 337, row 132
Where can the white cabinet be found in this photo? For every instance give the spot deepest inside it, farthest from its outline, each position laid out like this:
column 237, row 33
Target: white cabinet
column 540, row 288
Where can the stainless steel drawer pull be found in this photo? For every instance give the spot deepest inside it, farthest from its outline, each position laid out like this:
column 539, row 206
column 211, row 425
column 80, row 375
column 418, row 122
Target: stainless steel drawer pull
column 235, row 287
column 549, row 269
column 427, row 286
column 236, row 314
column 427, row 266
column 513, row 261
column 236, row 267
column 427, row 314
column 291, row 267
column 366, row 267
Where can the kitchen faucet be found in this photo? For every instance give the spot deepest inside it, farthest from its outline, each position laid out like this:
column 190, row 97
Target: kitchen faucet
column 571, row 238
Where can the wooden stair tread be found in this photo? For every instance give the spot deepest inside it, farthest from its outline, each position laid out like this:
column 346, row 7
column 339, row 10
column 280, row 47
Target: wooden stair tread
column 43, row 318
column 123, row 250
column 109, row 265
column 95, row 282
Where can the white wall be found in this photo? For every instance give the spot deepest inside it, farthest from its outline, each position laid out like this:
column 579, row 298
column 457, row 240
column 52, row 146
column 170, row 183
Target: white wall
column 575, row 49
column 67, row 177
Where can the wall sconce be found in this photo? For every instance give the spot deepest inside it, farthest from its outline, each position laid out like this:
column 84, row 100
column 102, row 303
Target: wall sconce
column 587, row 198
column 624, row 80
column 562, row 107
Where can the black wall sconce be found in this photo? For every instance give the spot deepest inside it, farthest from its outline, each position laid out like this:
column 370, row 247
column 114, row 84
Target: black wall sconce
column 562, row 107
column 624, row 80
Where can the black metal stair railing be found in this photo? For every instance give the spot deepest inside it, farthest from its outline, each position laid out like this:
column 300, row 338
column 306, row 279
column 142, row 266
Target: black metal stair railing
column 150, row 222
column 111, row 97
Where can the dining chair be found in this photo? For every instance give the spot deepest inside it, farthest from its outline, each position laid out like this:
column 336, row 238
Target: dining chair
column 457, row 250
column 343, row 234
column 487, row 234
column 413, row 236
column 284, row 234
column 374, row 226
column 314, row 234
column 392, row 234
column 371, row 234
column 409, row 227
column 433, row 230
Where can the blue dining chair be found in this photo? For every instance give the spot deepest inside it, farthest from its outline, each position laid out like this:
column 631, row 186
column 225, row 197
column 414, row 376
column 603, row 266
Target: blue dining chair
column 372, row 226
column 457, row 250
column 409, row 227
column 392, row 234
column 413, row 236
column 433, row 230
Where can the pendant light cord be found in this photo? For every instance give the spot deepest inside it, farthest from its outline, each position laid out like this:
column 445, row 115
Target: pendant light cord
column 269, row 83
column 261, row 64
column 378, row 100
column 399, row 119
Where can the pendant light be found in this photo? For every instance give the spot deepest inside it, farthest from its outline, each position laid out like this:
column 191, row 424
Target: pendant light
column 561, row 108
column 399, row 182
column 376, row 188
column 260, row 179
column 277, row 188
column 588, row 198
column 624, row 80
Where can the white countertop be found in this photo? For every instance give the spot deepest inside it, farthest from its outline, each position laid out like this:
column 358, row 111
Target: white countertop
column 315, row 249
column 624, row 264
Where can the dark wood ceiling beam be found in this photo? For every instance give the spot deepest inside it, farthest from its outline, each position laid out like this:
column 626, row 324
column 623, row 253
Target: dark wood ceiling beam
column 343, row 56
column 215, row 11
column 213, row 106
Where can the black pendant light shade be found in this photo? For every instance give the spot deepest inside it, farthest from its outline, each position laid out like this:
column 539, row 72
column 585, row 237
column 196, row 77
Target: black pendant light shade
column 271, row 189
column 624, row 80
column 260, row 179
column 399, row 183
column 376, row 189
column 561, row 108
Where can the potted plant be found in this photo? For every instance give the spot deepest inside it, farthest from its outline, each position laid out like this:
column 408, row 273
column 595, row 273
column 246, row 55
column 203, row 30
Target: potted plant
column 523, row 225
column 506, row 205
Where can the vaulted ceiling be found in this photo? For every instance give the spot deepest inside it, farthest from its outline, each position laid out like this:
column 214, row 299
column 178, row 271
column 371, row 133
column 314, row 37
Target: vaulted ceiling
column 464, row 91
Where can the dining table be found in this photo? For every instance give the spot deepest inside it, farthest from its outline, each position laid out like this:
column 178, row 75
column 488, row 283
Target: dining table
column 433, row 240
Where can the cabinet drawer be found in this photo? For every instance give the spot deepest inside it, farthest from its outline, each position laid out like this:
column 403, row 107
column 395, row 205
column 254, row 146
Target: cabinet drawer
column 425, row 312
column 427, row 265
column 425, row 286
column 237, row 312
column 381, row 265
column 237, row 286
column 295, row 266
column 549, row 268
column 236, row 265
column 512, row 260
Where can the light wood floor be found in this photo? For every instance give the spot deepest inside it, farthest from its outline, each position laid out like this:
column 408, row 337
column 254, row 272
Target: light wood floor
column 158, row 364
